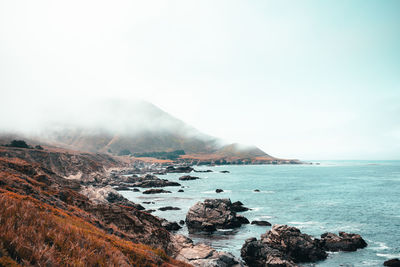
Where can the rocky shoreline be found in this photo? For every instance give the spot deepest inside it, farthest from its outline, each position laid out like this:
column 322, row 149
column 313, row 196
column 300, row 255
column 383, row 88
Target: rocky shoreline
column 282, row 246
column 97, row 198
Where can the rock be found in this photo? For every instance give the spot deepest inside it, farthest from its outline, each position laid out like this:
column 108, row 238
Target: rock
column 213, row 214
column 343, row 242
column 148, row 202
column 224, row 171
column 256, row 190
column 261, row 223
column 135, row 190
column 170, row 226
column 156, row 191
column 201, row 255
column 203, row 171
column 155, row 183
column 300, row 247
column 256, row 254
column 218, row 190
column 392, row 263
column 181, row 222
column 188, row 178
column 238, row 207
column 168, row 208
column 172, row 169
column 180, row 191
column 282, row 246
column 122, row 188
column 150, row 211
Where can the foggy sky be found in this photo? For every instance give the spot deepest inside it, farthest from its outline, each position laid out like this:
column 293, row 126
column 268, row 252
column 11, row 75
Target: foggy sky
column 299, row 79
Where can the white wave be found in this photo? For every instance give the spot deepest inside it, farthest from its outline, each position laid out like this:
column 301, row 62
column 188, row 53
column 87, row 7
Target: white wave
column 381, row 246
column 389, row 256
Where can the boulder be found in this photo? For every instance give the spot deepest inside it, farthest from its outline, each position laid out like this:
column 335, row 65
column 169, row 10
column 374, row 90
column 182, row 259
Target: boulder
column 282, row 246
column 261, row 223
column 156, row 191
column 180, row 191
column 219, row 190
column 256, row 190
column 201, row 255
column 392, row 263
column 213, row 214
column 170, row 226
column 296, row 245
column 224, row 171
column 257, row 254
column 188, row 178
column 342, row 242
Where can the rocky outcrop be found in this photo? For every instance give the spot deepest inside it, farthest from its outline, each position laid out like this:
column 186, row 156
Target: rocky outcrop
column 201, row 255
column 392, row 263
column 342, row 242
column 182, row 169
column 286, row 246
column 188, row 178
column 156, row 191
column 170, row 226
column 213, row 214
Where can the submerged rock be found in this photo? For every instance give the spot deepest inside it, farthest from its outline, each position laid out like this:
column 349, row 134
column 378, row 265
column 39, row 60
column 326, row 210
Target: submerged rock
column 213, row 214
column 156, row 191
column 343, row 242
column 168, row 208
column 188, row 178
column 224, row 171
column 261, row 223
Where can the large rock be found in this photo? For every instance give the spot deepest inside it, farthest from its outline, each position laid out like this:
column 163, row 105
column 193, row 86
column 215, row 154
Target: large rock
column 213, row 214
column 201, row 255
column 298, row 246
column 342, row 242
column 282, row 246
column 150, row 180
column 257, row 254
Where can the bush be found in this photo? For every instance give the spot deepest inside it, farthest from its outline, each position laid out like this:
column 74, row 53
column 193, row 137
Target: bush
column 18, row 143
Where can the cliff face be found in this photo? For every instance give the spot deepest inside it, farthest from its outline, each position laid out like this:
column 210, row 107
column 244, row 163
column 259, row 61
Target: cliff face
column 45, row 221
column 67, row 164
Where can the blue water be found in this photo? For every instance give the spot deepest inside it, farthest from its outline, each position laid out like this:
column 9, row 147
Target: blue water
column 353, row 196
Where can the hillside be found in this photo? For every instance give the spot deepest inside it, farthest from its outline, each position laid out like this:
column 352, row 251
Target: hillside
column 45, row 221
column 123, row 128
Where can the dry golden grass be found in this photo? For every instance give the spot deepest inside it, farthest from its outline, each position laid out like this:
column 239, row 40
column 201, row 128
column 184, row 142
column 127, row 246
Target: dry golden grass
column 34, row 233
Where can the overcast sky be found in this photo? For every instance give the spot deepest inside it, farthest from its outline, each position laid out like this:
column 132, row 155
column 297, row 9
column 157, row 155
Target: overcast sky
column 299, row 79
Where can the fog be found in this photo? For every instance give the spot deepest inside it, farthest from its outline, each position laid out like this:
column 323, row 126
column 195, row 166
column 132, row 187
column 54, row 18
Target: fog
column 304, row 79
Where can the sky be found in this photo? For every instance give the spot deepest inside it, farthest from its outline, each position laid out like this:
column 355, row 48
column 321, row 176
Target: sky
column 299, row 79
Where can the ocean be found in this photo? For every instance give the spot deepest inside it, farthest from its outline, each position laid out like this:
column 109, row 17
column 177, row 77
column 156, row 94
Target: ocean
column 353, row 196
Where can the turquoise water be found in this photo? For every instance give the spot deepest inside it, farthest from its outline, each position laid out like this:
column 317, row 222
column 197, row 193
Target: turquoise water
column 352, row 196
